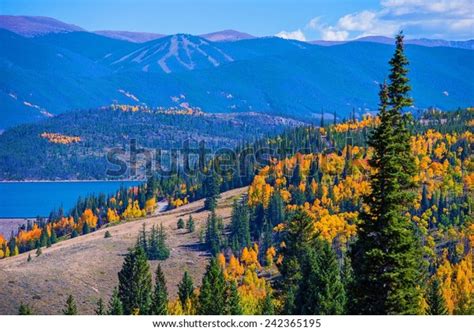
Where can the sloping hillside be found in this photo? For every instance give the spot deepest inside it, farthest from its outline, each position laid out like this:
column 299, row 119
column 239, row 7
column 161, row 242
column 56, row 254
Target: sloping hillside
column 65, row 71
column 87, row 266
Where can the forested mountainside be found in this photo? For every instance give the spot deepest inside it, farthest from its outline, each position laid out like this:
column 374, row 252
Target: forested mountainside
column 75, row 145
column 308, row 199
column 53, row 73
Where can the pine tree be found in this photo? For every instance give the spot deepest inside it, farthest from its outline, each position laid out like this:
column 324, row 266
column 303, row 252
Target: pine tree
column 435, row 299
column 180, row 224
column 29, row 258
column 311, row 281
column 211, row 191
column 212, row 295
column 71, row 308
column 320, row 290
column 159, row 305
column 387, row 256
column 185, row 288
column 156, row 247
column 25, row 310
column 135, row 284
column 239, row 227
column 163, row 250
column 100, row 308
column 213, row 234
column 142, row 239
column 190, row 226
column 53, row 239
column 233, row 306
column 115, row 305
column 268, row 308
column 276, row 209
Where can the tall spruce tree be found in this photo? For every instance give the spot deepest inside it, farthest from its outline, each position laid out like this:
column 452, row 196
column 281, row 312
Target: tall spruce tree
column 212, row 296
column 233, row 306
column 213, row 233
column 239, row 227
column 320, row 290
column 276, row 209
column 387, row 256
column 435, row 299
column 211, row 191
column 159, row 304
column 135, row 284
column 268, row 308
column 185, row 289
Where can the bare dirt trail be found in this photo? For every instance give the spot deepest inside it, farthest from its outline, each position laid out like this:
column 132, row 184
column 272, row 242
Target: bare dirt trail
column 87, row 266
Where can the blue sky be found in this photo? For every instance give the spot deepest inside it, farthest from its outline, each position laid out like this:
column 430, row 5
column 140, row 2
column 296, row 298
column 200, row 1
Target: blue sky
column 295, row 19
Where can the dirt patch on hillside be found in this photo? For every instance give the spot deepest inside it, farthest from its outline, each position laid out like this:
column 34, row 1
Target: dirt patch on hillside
column 87, row 266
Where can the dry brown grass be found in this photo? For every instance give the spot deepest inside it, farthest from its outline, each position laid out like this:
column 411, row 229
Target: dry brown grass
column 87, row 266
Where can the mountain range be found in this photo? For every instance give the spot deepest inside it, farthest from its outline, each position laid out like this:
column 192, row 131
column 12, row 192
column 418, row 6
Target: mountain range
column 49, row 67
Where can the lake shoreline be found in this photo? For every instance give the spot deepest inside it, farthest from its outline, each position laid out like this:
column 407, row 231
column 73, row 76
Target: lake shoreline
column 11, row 224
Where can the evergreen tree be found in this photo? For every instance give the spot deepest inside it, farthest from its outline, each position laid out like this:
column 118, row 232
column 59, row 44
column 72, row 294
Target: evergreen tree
column 320, row 291
column 311, row 282
column 155, row 245
column 190, row 226
column 276, row 209
column 143, row 241
column 135, row 284
column 240, row 227
column 53, row 239
column 212, row 295
column 185, row 288
column 180, row 224
column 435, row 299
column 25, row 309
column 71, row 308
column 213, row 234
column 29, row 258
column 163, row 250
column 233, row 306
column 268, row 308
column 159, row 305
column 211, row 191
column 100, row 308
column 115, row 305
column 387, row 256
column 85, row 228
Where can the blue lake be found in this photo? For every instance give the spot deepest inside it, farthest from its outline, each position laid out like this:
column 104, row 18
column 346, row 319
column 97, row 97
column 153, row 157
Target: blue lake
column 18, row 200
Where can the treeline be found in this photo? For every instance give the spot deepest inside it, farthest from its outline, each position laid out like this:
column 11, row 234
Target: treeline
column 26, row 153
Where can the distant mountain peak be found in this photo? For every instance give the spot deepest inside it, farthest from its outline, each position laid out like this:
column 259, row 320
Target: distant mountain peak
column 426, row 42
column 30, row 26
column 227, row 35
column 172, row 53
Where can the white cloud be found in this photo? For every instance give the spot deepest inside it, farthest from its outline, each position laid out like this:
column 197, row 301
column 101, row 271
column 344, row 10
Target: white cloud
column 295, row 35
column 330, row 33
column 452, row 19
column 358, row 21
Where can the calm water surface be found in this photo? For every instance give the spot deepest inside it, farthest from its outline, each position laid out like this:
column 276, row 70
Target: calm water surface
column 18, row 200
